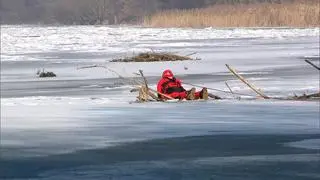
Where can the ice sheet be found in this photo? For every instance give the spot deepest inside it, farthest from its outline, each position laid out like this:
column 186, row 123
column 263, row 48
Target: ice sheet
column 81, row 109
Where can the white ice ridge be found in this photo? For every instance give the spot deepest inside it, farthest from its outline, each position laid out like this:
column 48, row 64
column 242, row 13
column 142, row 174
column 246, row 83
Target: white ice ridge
column 17, row 40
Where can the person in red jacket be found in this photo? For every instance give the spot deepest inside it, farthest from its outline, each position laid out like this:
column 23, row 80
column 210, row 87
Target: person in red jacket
column 171, row 86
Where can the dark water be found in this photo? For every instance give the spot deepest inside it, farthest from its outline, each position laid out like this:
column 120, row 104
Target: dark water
column 200, row 157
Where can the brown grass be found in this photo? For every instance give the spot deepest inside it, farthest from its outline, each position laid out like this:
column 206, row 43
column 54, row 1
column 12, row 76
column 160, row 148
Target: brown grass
column 297, row 14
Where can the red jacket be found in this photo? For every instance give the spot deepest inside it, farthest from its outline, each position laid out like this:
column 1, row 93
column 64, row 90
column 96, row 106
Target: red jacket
column 169, row 86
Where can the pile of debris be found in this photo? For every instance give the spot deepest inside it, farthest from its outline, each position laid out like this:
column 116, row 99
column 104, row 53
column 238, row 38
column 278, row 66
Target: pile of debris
column 155, row 57
column 44, row 74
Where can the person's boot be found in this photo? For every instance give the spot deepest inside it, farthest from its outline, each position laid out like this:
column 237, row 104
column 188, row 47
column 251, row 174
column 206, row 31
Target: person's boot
column 204, row 94
column 190, row 94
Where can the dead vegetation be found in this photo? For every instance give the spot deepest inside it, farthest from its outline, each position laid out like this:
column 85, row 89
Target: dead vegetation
column 304, row 13
column 155, row 57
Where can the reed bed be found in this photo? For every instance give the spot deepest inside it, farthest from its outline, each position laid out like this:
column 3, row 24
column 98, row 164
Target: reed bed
column 296, row 14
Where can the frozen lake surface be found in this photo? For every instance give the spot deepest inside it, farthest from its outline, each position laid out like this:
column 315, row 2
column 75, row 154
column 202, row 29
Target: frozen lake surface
column 81, row 124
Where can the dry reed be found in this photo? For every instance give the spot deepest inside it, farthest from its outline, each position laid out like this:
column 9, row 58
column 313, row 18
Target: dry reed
column 296, row 14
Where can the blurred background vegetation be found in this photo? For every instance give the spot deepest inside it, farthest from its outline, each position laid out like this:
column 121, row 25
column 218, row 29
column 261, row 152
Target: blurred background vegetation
column 162, row 13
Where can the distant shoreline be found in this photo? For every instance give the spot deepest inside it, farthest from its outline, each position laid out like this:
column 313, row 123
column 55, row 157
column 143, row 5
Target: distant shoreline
column 143, row 26
column 162, row 14
column 297, row 14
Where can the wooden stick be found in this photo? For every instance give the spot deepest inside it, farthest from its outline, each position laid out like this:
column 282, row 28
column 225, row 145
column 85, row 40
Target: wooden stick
column 135, row 81
column 204, row 87
column 191, row 54
column 230, row 89
column 153, row 95
column 309, row 62
column 213, row 96
column 149, row 89
column 219, row 90
column 169, row 97
column 234, row 72
column 132, row 80
column 144, row 79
